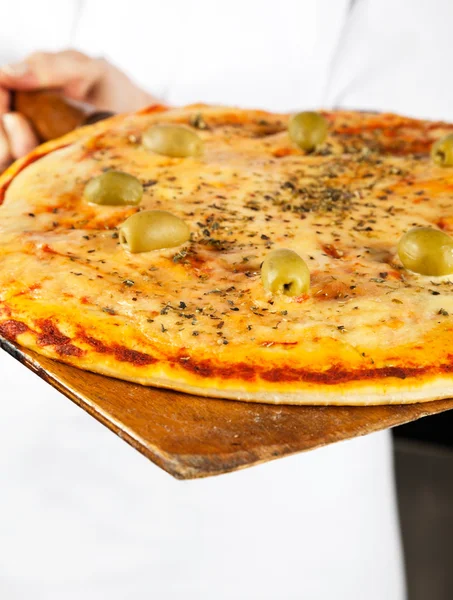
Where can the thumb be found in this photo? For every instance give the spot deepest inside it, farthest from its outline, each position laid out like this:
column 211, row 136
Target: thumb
column 73, row 72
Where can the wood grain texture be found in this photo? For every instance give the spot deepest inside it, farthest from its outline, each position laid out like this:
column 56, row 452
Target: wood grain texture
column 192, row 437
column 51, row 115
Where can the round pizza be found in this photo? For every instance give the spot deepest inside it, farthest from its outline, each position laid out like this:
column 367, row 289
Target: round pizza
column 297, row 259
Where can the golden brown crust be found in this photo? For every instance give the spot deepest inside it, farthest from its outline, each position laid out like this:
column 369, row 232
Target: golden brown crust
column 196, row 318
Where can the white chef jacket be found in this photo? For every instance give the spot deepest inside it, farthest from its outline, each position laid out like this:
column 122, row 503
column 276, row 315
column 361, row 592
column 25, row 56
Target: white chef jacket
column 83, row 515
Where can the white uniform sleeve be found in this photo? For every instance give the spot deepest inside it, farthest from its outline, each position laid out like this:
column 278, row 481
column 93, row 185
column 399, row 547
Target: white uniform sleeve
column 395, row 55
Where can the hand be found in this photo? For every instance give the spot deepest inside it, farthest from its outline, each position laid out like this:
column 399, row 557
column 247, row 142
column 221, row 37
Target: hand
column 79, row 77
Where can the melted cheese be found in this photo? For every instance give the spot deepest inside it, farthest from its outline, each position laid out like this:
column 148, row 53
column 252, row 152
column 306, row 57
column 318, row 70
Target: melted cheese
column 200, row 310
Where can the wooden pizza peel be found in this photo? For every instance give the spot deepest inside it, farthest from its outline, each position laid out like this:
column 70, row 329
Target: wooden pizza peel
column 191, row 436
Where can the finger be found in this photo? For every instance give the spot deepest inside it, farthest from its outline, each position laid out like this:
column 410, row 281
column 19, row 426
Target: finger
column 5, row 154
column 18, row 76
column 73, row 72
column 21, row 137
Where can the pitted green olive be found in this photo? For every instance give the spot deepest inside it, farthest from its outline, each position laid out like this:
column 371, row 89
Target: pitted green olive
column 427, row 251
column 152, row 230
column 114, row 188
column 285, row 272
column 308, row 130
column 442, row 151
column 173, row 140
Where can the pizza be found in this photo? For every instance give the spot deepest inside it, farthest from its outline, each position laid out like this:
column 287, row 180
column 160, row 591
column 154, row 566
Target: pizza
column 204, row 311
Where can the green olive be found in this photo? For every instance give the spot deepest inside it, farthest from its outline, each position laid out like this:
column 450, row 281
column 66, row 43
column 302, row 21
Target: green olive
column 152, row 230
column 442, row 151
column 285, row 272
column 308, row 130
column 427, row 251
column 114, row 188
column 173, row 140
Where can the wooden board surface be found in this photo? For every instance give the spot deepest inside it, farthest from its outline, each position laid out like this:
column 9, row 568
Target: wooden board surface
column 191, row 437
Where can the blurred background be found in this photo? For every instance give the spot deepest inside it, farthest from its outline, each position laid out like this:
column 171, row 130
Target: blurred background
column 424, row 478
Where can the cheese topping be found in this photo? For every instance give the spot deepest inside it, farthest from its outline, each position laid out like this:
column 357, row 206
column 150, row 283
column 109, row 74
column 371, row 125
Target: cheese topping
column 342, row 208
